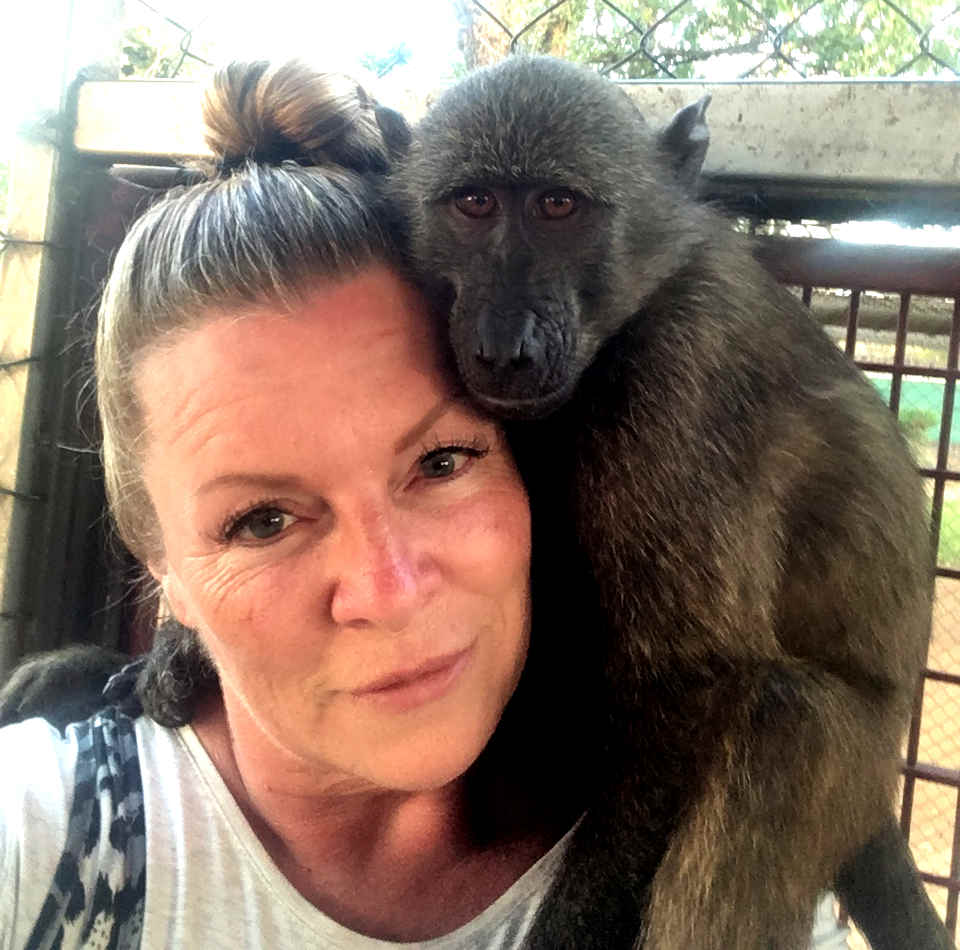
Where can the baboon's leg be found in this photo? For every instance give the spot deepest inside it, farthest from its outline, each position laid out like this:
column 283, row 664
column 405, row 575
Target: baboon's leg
column 881, row 889
column 795, row 786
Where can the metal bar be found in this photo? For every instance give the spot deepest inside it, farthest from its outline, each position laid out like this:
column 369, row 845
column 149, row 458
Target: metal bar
column 937, row 372
column 912, row 770
column 937, row 774
column 940, row 676
column 947, row 882
column 12, row 364
column 954, row 892
column 851, row 343
column 910, row 767
column 833, row 199
column 20, row 495
column 894, row 269
column 931, row 318
column 896, row 381
column 8, row 240
column 946, row 424
column 157, row 177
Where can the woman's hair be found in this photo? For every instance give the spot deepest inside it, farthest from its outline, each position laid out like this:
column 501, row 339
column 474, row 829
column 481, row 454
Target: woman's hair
column 292, row 196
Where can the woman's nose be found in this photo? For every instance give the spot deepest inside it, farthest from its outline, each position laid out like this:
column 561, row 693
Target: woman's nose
column 378, row 580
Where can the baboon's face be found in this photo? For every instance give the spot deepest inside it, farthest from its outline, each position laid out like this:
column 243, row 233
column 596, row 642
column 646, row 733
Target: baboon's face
column 524, row 188
column 526, row 268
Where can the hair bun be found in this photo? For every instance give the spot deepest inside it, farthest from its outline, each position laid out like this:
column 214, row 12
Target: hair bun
column 268, row 114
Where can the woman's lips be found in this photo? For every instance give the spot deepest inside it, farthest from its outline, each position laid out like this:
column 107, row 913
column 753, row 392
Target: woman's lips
column 425, row 683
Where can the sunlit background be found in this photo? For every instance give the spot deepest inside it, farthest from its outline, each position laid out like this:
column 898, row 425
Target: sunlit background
column 405, row 49
column 417, row 40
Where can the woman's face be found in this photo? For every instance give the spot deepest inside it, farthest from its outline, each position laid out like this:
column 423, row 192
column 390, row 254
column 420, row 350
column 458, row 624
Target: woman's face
column 350, row 539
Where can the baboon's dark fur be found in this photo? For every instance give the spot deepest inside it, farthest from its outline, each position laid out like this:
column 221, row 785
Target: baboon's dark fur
column 752, row 514
column 67, row 685
column 61, row 686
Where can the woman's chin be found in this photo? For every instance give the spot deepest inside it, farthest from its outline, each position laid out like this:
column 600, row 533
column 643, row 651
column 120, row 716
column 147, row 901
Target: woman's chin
column 432, row 760
column 432, row 768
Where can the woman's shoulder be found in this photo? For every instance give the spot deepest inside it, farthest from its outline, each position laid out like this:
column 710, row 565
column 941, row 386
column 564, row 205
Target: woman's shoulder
column 72, row 844
column 34, row 746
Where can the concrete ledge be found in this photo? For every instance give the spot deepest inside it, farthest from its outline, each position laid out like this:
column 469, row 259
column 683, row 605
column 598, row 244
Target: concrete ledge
column 825, row 150
column 890, row 132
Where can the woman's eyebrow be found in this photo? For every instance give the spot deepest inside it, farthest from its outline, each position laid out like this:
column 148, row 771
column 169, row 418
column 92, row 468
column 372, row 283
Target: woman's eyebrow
column 419, row 429
column 280, row 484
column 293, row 483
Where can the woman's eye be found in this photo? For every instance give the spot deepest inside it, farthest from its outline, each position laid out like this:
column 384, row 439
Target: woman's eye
column 447, row 461
column 261, row 524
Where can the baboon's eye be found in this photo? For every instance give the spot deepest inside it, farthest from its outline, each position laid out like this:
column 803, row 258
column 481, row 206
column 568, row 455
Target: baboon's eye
column 475, row 202
column 559, row 203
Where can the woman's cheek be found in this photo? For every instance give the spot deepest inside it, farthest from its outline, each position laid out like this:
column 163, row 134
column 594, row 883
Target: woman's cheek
column 239, row 587
column 493, row 528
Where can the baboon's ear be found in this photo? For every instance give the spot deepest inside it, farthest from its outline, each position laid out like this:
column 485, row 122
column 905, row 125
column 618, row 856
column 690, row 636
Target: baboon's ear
column 396, row 132
column 684, row 142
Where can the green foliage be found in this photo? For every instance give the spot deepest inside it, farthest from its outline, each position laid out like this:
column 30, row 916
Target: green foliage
column 762, row 39
column 148, row 57
column 143, row 59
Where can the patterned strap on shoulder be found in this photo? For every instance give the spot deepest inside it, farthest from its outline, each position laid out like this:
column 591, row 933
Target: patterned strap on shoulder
column 96, row 896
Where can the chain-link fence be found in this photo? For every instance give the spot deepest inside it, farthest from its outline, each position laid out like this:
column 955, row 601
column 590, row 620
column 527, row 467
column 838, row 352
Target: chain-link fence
column 717, row 39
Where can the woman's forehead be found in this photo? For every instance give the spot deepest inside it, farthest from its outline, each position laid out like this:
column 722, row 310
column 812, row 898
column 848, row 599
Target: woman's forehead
column 351, row 349
column 373, row 315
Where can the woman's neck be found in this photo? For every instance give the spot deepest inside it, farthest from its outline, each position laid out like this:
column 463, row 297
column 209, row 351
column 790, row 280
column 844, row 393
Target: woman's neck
column 396, row 865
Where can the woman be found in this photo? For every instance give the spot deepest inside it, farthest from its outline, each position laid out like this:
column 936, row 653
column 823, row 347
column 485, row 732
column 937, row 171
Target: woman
column 376, row 754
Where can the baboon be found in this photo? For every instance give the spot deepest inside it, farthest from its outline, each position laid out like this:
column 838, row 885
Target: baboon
column 61, row 686
column 74, row 682
column 752, row 515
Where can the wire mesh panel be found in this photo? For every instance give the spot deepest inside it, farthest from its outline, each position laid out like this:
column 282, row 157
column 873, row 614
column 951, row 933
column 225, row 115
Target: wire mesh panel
column 63, row 580
column 896, row 312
